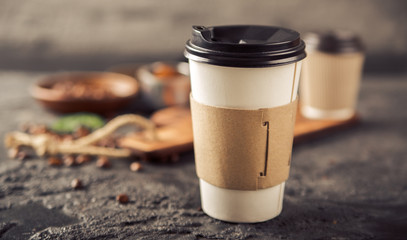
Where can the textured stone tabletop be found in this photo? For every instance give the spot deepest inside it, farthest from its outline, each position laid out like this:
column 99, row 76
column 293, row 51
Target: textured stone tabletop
column 352, row 185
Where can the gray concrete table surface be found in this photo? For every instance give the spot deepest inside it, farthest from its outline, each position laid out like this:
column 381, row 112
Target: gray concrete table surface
column 351, row 185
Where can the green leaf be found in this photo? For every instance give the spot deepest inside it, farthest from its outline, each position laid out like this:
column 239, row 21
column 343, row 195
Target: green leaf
column 70, row 123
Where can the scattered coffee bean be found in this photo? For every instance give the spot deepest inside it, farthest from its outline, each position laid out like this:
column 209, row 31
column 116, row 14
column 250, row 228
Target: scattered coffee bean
column 38, row 129
column 136, row 166
column 66, row 138
column 82, row 158
column 122, row 198
column 76, row 184
column 54, row 136
column 54, row 161
column 109, row 142
column 103, row 162
column 81, row 132
column 69, row 160
column 12, row 153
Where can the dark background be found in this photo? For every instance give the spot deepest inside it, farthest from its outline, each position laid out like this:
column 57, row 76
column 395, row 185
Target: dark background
column 95, row 34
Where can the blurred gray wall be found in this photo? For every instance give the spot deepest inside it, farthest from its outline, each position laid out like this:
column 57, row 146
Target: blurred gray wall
column 82, row 34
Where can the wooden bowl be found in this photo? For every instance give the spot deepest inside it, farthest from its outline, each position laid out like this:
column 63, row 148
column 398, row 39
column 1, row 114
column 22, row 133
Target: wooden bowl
column 98, row 92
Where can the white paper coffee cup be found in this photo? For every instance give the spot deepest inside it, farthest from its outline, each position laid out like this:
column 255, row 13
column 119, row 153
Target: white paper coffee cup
column 243, row 87
column 331, row 75
column 229, row 87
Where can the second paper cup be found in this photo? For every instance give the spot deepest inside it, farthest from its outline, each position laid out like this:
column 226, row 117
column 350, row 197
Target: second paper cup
column 331, row 75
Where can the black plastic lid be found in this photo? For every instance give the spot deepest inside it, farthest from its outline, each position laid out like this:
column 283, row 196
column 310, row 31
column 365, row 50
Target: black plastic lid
column 244, row 46
column 337, row 41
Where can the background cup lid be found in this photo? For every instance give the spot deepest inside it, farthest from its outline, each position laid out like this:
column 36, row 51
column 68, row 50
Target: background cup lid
column 245, row 45
column 335, row 41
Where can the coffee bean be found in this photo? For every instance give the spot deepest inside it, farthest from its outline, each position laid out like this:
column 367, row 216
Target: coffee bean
column 66, row 138
column 69, row 160
column 108, row 142
column 122, row 198
column 76, row 184
column 82, row 158
column 81, row 132
column 38, row 129
column 103, row 162
column 136, row 166
column 54, row 161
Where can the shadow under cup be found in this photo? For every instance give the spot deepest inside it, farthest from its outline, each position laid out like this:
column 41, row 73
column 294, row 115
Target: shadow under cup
column 239, row 68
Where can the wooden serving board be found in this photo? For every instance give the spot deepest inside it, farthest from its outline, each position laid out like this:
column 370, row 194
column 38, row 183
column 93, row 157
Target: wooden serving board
column 307, row 129
column 175, row 133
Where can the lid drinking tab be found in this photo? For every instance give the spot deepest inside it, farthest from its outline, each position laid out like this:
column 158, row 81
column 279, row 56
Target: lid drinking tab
column 245, row 45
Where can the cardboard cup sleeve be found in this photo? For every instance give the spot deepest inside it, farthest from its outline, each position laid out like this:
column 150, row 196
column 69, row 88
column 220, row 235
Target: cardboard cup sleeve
column 331, row 81
column 243, row 149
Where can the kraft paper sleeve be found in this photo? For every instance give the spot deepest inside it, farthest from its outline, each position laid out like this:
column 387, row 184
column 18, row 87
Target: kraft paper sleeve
column 331, row 81
column 243, row 149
